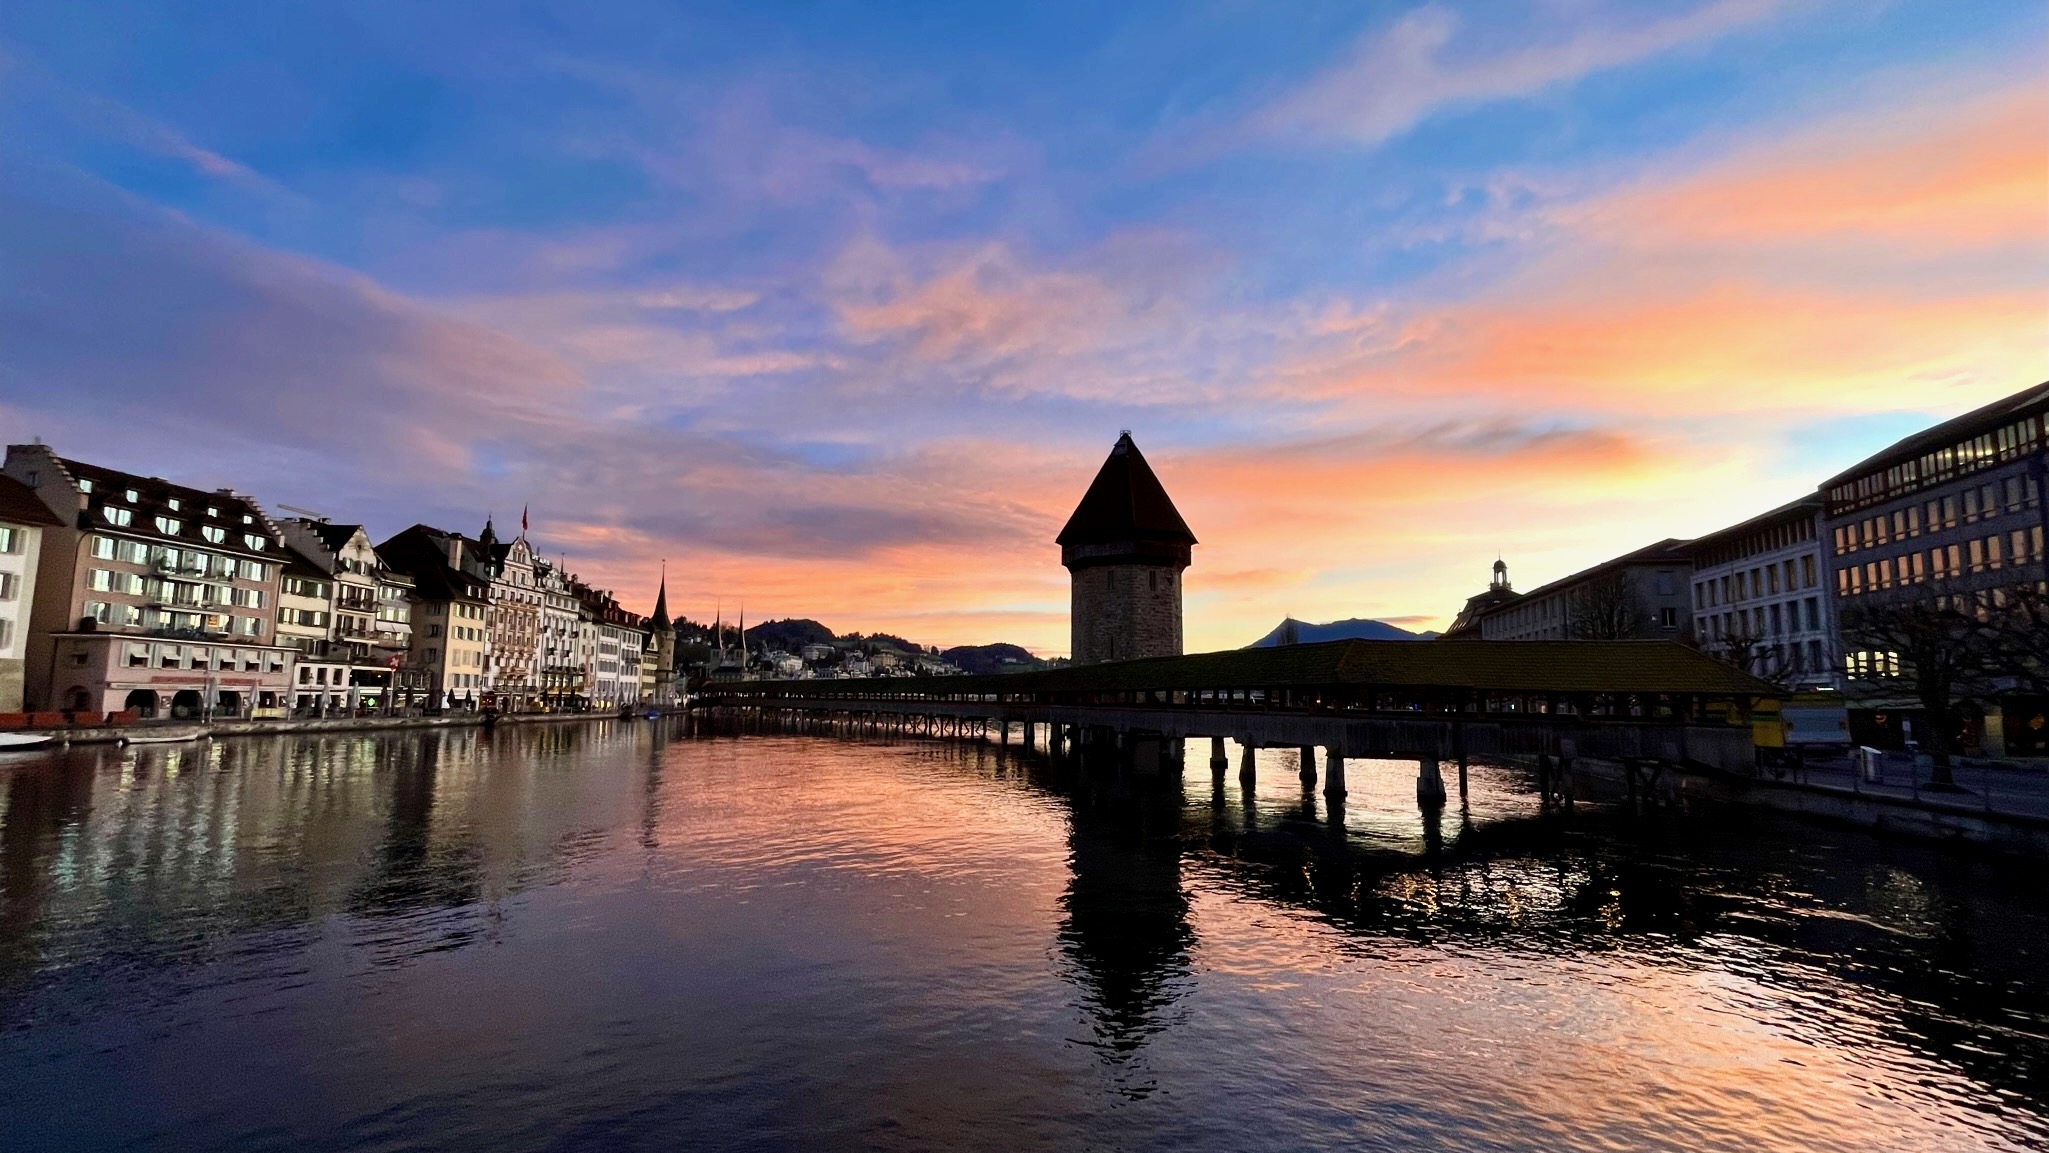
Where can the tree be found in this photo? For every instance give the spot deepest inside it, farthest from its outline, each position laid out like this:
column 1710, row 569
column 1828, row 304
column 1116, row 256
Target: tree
column 1753, row 656
column 1607, row 608
column 1934, row 649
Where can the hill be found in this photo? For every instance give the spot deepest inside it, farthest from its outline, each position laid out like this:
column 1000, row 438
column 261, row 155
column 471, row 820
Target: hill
column 1292, row 631
column 997, row 658
column 787, row 635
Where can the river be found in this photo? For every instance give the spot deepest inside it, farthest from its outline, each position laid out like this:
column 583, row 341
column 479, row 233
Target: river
column 614, row 935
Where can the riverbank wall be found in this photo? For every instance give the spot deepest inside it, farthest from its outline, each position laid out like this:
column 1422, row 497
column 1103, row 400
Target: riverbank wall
column 1929, row 816
column 194, row 730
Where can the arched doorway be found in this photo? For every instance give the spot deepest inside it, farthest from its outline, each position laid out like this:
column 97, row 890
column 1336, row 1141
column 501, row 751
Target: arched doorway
column 141, row 702
column 187, row 703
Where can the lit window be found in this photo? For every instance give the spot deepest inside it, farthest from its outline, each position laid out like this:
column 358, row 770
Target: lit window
column 256, row 543
column 119, row 517
column 213, row 533
column 83, row 485
column 172, row 503
column 168, row 526
column 133, row 496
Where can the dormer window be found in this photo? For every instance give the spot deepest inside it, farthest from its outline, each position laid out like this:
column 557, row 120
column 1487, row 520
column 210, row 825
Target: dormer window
column 212, row 511
column 133, row 496
column 83, row 485
column 213, row 533
column 168, row 526
column 247, row 519
column 119, row 517
column 173, row 504
column 255, row 542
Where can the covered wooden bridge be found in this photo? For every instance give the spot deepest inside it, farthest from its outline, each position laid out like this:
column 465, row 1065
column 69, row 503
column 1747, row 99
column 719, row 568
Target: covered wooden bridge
column 1427, row 701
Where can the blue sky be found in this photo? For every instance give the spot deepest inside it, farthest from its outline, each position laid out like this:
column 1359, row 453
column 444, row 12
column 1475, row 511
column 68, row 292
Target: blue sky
column 838, row 306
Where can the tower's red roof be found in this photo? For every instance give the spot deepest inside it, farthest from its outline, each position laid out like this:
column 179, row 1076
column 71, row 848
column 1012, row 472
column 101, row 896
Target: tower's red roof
column 1125, row 502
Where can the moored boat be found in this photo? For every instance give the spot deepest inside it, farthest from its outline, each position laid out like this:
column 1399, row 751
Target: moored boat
column 11, row 742
column 162, row 736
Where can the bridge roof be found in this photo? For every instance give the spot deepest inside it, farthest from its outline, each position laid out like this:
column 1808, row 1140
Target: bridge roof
column 1647, row 666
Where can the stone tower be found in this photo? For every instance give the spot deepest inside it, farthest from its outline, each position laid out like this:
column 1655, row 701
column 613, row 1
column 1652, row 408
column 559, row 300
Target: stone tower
column 1125, row 547
column 662, row 640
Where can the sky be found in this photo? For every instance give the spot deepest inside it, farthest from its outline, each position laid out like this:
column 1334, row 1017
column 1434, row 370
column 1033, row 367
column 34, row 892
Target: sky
column 836, row 308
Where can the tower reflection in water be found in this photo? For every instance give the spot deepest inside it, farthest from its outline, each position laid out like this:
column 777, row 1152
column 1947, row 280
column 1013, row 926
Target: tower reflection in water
column 1125, row 926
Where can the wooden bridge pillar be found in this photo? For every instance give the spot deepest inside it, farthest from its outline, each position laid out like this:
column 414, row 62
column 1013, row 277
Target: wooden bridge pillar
column 1307, row 753
column 1333, row 773
column 1430, row 785
column 1248, row 765
column 1218, row 760
column 1461, row 776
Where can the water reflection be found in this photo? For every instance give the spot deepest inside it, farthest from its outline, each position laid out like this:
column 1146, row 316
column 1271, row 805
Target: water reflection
column 1126, row 917
column 622, row 929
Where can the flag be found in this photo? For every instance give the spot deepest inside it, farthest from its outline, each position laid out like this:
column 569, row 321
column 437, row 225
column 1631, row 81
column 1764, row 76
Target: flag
column 522, row 520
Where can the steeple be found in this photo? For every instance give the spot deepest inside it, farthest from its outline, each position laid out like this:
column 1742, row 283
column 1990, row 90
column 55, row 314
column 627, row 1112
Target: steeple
column 661, row 618
column 1500, row 575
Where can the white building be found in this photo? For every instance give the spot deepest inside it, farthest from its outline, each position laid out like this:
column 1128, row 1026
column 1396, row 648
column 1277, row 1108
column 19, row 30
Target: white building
column 1760, row 597
column 23, row 517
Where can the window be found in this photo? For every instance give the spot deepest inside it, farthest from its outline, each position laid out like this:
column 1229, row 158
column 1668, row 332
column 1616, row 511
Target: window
column 254, row 570
column 138, row 656
column 249, row 598
column 118, row 517
column 133, row 496
column 212, row 511
column 1664, row 584
column 100, row 580
column 10, row 539
column 1668, row 618
column 213, row 532
column 132, row 552
column 83, row 484
column 97, row 611
column 170, row 657
column 249, row 626
column 255, row 542
column 10, row 586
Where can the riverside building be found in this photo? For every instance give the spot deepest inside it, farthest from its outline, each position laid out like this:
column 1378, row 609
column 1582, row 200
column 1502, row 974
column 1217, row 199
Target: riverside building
column 1643, row 594
column 1761, row 598
column 350, row 615
column 151, row 598
column 23, row 519
column 1955, row 515
column 450, row 643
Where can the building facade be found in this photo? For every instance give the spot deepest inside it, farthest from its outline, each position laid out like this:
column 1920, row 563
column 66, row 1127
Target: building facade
column 23, row 519
column 151, row 598
column 350, row 615
column 1640, row 595
column 1953, row 515
column 1126, row 550
column 514, row 621
column 566, row 646
column 1761, row 598
column 448, row 659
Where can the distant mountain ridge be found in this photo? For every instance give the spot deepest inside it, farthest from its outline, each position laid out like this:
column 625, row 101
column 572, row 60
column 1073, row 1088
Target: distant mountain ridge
column 1292, row 631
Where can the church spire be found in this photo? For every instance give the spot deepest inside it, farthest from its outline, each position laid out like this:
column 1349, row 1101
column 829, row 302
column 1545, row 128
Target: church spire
column 661, row 617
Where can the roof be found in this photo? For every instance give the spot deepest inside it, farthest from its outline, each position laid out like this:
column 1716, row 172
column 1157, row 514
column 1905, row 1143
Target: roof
column 1978, row 420
column 1805, row 507
column 199, row 515
column 335, row 536
column 1671, row 550
column 422, row 551
column 19, row 504
column 1634, row 666
column 1125, row 503
column 660, row 619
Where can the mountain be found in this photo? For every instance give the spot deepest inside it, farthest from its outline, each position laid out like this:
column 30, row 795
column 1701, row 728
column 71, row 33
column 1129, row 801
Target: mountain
column 997, row 658
column 1354, row 629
